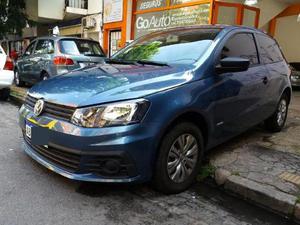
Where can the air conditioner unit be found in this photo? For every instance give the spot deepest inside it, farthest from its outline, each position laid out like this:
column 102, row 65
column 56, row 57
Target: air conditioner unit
column 89, row 22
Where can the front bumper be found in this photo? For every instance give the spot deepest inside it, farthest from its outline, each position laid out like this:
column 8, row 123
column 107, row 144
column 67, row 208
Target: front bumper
column 85, row 154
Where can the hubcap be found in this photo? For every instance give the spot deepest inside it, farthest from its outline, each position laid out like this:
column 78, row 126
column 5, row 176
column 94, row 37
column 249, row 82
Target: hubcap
column 281, row 112
column 182, row 158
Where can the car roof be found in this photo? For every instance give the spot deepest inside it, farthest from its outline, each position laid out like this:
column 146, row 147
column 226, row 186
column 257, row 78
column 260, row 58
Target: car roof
column 57, row 38
column 216, row 26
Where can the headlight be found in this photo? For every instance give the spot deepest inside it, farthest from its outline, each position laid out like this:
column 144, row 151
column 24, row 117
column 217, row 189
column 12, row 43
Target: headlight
column 114, row 114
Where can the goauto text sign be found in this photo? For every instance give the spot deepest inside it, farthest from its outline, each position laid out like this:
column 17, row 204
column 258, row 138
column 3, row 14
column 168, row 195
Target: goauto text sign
column 192, row 15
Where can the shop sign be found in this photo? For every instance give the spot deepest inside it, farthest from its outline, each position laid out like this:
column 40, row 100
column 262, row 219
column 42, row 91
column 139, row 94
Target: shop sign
column 155, row 21
column 178, row 2
column 150, row 4
column 113, row 11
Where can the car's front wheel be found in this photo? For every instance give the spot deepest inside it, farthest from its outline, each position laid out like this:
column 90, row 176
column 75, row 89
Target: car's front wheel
column 179, row 158
column 276, row 122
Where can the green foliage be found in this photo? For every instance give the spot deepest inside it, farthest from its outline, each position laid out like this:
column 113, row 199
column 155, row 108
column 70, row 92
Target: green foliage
column 206, row 171
column 12, row 17
column 141, row 52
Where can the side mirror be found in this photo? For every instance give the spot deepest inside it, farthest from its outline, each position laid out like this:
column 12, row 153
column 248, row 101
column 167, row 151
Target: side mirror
column 233, row 64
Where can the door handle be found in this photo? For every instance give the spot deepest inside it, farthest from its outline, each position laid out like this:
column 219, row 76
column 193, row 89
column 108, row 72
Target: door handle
column 265, row 80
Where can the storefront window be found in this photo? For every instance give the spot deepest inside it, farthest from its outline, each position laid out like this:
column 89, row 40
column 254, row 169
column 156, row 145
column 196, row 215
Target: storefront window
column 227, row 15
column 249, row 17
column 159, row 20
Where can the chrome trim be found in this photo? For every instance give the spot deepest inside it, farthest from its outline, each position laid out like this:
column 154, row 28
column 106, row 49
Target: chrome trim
column 73, row 176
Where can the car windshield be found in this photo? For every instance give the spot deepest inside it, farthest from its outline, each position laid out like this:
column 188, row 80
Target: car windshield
column 80, row 47
column 182, row 47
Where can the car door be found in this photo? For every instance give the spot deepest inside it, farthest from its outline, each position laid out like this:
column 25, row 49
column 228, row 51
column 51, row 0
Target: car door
column 41, row 58
column 277, row 69
column 239, row 96
column 24, row 63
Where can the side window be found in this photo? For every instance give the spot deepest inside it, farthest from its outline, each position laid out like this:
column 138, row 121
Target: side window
column 269, row 50
column 29, row 49
column 44, row 47
column 241, row 45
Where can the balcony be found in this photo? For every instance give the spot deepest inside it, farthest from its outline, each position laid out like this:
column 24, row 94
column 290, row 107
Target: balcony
column 76, row 9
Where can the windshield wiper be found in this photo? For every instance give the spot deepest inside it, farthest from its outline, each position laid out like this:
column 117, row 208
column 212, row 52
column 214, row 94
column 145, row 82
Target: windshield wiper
column 154, row 63
column 120, row 61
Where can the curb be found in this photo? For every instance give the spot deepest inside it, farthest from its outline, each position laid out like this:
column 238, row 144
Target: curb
column 17, row 94
column 265, row 196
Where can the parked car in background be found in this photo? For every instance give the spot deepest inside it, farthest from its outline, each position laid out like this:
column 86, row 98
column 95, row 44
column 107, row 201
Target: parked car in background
column 155, row 107
column 50, row 56
column 295, row 76
column 6, row 74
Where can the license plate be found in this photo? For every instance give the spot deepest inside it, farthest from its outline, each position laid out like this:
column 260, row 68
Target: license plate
column 28, row 131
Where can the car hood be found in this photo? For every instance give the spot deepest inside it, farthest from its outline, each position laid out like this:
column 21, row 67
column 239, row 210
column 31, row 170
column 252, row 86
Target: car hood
column 110, row 82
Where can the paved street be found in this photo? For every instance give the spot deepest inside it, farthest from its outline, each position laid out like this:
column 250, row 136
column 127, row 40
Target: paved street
column 30, row 194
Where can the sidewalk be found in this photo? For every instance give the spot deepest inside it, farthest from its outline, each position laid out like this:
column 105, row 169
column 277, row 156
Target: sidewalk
column 262, row 167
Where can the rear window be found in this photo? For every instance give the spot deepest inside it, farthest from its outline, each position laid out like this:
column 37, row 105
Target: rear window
column 80, row 47
column 269, row 49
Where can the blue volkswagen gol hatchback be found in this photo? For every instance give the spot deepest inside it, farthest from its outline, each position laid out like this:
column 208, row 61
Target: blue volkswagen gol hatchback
column 154, row 108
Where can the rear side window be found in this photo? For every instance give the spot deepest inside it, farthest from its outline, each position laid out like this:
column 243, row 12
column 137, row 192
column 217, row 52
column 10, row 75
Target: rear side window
column 29, row 49
column 241, row 45
column 44, row 47
column 80, row 47
column 269, row 50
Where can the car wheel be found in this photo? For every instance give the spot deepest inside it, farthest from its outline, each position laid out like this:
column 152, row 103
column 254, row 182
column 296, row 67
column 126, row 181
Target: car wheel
column 276, row 122
column 4, row 94
column 18, row 80
column 45, row 76
column 179, row 159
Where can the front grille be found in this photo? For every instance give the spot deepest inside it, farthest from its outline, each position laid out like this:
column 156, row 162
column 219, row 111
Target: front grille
column 52, row 109
column 62, row 158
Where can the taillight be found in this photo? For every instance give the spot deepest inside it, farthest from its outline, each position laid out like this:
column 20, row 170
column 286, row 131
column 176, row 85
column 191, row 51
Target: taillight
column 9, row 64
column 63, row 61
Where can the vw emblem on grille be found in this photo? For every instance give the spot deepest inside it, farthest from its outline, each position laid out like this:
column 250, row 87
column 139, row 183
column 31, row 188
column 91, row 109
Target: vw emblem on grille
column 39, row 107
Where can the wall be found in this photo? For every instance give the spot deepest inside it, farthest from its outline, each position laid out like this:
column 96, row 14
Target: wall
column 95, row 6
column 288, row 35
column 32, row 9
column 53, row 9
column 268, row 9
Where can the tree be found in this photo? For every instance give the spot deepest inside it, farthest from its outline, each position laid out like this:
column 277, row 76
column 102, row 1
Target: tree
column 12, row 17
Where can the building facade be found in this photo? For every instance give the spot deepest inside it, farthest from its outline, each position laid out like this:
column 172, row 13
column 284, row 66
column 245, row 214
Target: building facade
column 116, row 22
column 126, row 20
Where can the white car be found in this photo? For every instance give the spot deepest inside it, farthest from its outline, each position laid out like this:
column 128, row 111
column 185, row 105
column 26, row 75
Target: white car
column 6, row 74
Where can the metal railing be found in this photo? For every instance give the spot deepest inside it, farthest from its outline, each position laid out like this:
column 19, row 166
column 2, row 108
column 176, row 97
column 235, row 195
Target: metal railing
column 80, row 4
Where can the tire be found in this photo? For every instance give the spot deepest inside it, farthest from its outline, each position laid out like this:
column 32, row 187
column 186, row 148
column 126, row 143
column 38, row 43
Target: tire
column 45, row 76
column 172, row 180
column 17, row 79
column 4, row 94
column 276, row 122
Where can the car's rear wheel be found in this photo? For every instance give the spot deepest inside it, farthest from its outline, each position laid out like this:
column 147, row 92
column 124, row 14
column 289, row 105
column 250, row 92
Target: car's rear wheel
column 179, row 158
column 4, row 94
column 45, row 76
column 18, row 80
column 276, row 122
